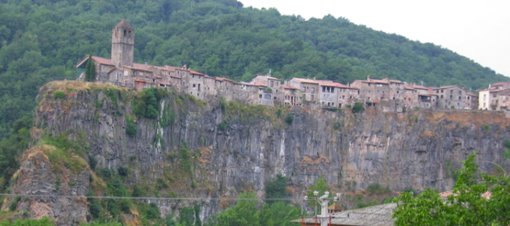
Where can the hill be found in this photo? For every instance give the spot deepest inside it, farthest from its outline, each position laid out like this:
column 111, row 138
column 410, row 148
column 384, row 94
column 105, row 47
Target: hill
column 41, row 41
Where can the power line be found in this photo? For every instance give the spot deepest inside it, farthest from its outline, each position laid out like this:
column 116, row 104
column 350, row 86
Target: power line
column 140, row 198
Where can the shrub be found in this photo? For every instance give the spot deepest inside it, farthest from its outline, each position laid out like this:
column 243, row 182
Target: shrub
column 146, row 104
column 377, row 189
column 90, row 71
column 337, row 125
column 59, row 95
column 289, row 118
column 123, row 171
column 358, row 107
column 14, row 203
column 130, row 126
column 92, row 162
column 152, row 212
column 223, row 125
column 486, row 127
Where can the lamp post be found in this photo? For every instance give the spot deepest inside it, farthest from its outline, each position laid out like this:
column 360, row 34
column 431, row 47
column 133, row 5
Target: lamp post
column 323, row 201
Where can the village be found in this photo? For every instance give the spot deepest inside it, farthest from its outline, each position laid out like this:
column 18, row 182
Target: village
column 387, row 94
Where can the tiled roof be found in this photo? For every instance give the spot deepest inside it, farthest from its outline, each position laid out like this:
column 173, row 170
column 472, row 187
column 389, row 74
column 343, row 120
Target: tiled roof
column 289, row 87
column 332, row 84
column 379, row 81
column 305, row 80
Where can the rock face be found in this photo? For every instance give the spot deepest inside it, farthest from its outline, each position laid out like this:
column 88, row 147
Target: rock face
column 216, row 150
column 52, row 191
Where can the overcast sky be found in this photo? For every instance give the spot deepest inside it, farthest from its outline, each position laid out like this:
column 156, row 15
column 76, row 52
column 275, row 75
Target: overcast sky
column 476, row 29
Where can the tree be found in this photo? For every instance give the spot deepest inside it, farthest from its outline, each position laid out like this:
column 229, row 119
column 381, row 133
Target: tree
column 90, row 71
column 277, row 189
column 476, row 200
column 245, row 212
column 320, row 185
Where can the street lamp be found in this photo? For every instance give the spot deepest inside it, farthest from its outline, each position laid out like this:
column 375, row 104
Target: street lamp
column 323, row 201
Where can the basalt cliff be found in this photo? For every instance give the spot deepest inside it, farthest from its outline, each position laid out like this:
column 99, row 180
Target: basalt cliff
column 171, row 145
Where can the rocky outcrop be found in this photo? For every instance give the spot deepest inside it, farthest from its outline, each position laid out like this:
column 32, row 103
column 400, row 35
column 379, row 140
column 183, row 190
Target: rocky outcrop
column 49, row 189
column 216, row 150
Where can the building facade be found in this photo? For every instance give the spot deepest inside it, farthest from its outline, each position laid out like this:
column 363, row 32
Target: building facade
column 392, row 95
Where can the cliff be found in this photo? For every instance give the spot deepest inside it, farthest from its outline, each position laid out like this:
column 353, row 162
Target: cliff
column 172, row 145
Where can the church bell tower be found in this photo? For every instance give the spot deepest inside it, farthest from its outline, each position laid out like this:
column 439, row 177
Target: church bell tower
column 123, row 42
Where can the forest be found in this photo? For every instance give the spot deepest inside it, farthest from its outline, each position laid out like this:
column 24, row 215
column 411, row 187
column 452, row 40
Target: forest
column 41, row 41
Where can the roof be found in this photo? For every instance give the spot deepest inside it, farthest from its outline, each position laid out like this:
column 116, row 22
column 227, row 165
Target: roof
column 139, row 67
column 448, row 87
column 268, row 77
column 123, row 24
column 289, row 87
column 378, row 81
column 305, row 80
column 374, row 215
column 420, row 87
column 500, row 84
column 332, row 84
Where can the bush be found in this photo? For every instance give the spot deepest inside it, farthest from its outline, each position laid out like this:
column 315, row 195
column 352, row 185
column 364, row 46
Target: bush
column 146, row 104
column 152, row 212
column 123, row 171
column 130, row 126
column 59, row 95
column 377, row 189
column 223, row 125
column 289, row 118
column 358, row 107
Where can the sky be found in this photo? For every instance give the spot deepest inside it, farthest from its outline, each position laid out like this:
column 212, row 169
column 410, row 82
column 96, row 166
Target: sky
column 476, row 29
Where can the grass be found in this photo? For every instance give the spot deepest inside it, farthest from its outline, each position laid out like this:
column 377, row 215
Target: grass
column 64, row 152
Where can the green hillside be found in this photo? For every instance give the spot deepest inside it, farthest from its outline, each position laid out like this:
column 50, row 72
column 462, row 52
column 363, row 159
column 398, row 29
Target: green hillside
column 42, row 40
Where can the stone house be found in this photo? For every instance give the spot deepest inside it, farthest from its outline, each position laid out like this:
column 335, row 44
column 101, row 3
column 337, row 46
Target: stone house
column 347, row 96
column 373, row 91
column 308, row 87
column 292, row 96
column 426, row 97
column 394, row 95
column 328, row 93
column 272, row 85
column 453, row 97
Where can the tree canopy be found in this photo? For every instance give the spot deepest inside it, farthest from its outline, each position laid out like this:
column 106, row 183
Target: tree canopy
column 475, row 200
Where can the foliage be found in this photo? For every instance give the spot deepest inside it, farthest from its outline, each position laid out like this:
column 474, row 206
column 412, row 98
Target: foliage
column 28, row 222
column 377, row 189
column 468, row 205
column 320, row 185
column 289, row 118
column 12, row 146
column 246, row 212
column 190, row 216
column 277, row 189
column 223, row 126
column 146, row 103
column 96, row 223
column 358, row 107
column 130, row 126
column 90, row 71
column 59, row 95
column 506, row 151
column 279, row 214
column 65, row 152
